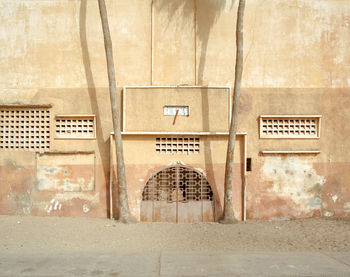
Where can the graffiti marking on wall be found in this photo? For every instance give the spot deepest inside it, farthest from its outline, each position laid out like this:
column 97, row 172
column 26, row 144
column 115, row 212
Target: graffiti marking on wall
column 53, row 205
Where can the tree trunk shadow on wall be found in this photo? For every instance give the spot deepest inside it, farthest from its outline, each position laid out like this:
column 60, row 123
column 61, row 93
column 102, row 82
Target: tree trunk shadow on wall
column 205, row 22
column 209, row 168
column 103, row 146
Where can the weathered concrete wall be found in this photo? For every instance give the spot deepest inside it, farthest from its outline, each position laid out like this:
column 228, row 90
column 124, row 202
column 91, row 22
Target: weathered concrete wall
column 209, row 109
column 296, row 62
column 298, row 185
column 61, row 182
column 16, row 183
column 59, row 43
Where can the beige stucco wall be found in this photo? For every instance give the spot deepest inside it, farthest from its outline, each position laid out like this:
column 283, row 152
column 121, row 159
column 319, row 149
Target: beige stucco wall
column 295, row 62
column 59, row 43
column 209, row 109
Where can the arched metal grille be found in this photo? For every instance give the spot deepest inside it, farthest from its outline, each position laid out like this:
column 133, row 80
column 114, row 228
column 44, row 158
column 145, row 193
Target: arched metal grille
column 177, row 184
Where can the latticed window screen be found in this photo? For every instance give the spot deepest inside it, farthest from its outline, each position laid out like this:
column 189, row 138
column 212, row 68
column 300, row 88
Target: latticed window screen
column 177, row 145
column 177, row 184
column 289, row 127
column 75, row 127
column 24, row 129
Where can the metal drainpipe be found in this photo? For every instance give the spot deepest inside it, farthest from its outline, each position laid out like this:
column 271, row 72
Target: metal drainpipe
column 245, row 180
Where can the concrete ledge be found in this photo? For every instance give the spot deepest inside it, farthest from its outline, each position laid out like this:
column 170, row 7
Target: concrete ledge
column 25, row 106
column 285, row 152
column 65, row 152
column 183, row 133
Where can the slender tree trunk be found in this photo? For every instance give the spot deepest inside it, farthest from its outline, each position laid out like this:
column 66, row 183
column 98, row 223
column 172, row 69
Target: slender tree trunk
column 124, row 212
column 228, row 215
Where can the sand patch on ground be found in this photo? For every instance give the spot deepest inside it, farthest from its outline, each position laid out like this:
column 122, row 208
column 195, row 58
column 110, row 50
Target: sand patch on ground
column 22, row 234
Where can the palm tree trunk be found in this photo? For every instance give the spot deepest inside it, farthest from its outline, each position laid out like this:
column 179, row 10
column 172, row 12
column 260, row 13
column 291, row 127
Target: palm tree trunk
column 124, row 212
column 228, row 215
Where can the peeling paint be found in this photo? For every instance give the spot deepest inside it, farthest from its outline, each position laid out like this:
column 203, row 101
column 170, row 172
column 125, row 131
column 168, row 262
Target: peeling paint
column 316, row 202
column 86, row 208
column 347, row 207
column 334, row 198
column 92, row 198
column 176, row 163
column 327, row 213
column 295, row 179
column 62, row 178
column 324, row 205
column 21, row 199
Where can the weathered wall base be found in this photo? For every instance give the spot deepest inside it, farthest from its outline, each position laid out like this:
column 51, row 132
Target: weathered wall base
column 295, row 187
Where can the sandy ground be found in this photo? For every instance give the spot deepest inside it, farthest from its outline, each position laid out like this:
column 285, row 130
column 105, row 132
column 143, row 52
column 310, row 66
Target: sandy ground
column 28, row 234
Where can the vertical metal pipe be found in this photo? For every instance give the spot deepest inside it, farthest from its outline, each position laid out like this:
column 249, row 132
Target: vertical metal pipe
column 176, row 189
column 245, row 180
column 111, row 173
column 152, row 183
column 202, row 198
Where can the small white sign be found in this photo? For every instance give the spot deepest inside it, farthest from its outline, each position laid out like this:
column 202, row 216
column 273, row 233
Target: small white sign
column 181, row 110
